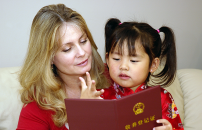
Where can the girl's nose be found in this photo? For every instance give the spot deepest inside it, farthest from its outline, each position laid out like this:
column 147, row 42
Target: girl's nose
column 124, row 66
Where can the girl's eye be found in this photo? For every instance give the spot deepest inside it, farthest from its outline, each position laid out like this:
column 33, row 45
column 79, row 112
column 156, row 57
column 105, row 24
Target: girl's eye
column 66, row 50
column 133, row 61
column 116, row 59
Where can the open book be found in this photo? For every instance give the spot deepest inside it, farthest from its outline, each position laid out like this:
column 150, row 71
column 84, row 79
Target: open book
column 138, row 111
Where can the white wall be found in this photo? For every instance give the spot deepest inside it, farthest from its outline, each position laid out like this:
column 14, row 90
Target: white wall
column 184, row 16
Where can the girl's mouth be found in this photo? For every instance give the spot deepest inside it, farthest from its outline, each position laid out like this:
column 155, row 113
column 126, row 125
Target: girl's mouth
column 124, row 76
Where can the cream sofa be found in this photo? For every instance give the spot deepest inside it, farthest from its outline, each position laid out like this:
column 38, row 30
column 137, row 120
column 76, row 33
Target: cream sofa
column 186, row 91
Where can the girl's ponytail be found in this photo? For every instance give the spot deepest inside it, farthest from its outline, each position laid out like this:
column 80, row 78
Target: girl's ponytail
column 168, row 53
column 109, row 29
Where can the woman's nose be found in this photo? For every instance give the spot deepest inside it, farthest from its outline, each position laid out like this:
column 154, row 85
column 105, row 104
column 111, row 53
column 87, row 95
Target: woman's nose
column 80, row 51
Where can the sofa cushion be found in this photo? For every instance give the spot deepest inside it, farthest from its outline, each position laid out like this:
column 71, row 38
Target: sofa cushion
column 10, row 103
column 191, row 81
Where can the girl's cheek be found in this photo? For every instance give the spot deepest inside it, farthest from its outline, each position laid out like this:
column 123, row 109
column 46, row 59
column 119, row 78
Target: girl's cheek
column 113, row 69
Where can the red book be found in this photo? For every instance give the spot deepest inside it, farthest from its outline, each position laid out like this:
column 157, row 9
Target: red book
column 138, row 111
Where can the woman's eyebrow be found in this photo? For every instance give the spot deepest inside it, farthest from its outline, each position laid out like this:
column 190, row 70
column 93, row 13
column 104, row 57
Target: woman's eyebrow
column 83, row 35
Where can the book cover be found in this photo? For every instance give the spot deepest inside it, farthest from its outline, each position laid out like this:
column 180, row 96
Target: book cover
column 138, row 111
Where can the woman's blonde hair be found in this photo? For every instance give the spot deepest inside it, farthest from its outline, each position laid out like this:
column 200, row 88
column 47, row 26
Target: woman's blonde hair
column 36, row 77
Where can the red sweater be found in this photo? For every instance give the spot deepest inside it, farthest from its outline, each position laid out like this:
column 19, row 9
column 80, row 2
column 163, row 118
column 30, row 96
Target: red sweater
column 34, row 118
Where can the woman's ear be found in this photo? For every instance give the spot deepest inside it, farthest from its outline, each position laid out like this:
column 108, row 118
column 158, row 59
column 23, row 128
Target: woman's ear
column 154, row 65
column 107, row 58
column 52, row 60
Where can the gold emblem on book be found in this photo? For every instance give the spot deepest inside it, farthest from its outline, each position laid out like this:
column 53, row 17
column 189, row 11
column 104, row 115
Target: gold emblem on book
column 138, row 108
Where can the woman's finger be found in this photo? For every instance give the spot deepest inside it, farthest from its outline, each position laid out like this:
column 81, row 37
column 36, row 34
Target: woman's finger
column 98, row 93
column 83, row 84
column 88, row 78
column 93, row 87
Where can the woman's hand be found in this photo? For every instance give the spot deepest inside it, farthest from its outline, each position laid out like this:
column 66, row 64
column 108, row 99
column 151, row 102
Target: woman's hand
column 88, row 91
column 166, row 125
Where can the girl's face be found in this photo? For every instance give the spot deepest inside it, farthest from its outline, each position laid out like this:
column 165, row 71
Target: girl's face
column 75, row 55
column 128, row 71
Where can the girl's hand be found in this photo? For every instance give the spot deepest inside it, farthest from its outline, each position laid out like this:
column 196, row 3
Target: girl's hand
column 88, row 91
column 166, row 125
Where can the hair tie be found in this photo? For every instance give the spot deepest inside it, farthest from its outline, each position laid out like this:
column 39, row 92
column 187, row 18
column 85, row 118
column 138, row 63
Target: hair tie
column 120, row 23
column 158, row 30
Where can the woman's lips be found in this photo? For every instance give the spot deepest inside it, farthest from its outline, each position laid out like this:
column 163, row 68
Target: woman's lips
column 83, row 63
column 124, row 76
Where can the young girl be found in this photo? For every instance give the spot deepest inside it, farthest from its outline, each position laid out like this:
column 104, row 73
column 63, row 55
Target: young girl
column 133, row 53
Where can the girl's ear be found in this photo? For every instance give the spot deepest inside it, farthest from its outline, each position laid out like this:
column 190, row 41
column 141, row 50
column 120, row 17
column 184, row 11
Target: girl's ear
column 154, row 65
column 107, row 58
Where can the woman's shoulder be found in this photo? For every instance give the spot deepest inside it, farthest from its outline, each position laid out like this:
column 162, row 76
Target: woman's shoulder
column 33, row 108
column 30, row 105
column 33, row 117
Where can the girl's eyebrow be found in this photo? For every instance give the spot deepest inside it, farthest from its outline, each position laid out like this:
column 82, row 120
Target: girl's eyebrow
column 137, row 55
column 132, row 55
column 115, row 52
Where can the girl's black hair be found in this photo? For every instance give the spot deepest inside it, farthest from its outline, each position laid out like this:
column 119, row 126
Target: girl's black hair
column 116, row 33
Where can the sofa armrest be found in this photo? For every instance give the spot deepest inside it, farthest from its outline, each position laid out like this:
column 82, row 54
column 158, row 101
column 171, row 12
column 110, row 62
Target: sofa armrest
column 191, row 85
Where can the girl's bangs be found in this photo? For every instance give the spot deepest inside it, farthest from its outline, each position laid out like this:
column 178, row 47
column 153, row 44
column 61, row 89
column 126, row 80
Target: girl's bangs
column 130, row 37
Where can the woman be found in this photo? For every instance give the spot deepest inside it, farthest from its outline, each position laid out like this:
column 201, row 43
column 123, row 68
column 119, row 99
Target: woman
column 61, row 52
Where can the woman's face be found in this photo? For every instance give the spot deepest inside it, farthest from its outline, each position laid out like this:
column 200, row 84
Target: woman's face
column 74, row 56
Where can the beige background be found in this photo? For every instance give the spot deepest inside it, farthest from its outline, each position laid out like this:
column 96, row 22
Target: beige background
column 184, row 16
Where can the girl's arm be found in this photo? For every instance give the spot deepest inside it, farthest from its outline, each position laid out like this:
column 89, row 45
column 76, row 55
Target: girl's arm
column 170, row 113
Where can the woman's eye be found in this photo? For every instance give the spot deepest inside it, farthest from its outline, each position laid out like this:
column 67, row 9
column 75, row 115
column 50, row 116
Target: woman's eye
column 116, row 59
column 84, row 41
column 66, row 50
